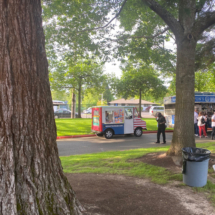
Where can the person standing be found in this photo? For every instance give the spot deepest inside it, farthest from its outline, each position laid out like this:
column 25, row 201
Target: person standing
column 213, row 125
column 206, row 122
column 161, row 128
column 196, row 129
column 201, row 124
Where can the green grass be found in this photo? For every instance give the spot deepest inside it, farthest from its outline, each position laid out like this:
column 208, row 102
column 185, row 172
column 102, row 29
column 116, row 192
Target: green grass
column 124, row 163
column 151, row 124
column 67, row 127
column 117, row 162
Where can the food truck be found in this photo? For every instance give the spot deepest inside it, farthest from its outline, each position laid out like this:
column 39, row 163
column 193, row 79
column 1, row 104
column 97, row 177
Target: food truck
column 114, row 120
column 203, row 102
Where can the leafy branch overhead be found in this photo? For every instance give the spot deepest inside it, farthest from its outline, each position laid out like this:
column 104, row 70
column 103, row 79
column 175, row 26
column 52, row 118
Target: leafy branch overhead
column 141, row 29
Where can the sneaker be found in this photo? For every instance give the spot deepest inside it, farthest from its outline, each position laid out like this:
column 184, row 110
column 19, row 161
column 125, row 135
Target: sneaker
column 196, row 135
column 200, row 136
column 157, row 142
column 206, row 136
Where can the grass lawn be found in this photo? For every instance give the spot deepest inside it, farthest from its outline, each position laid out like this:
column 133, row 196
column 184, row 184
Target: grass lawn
column 119, row 162
column 151, row 124
column 67, row 127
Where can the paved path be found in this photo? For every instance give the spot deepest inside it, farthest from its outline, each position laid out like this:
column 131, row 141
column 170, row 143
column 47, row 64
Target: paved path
column 86, row 145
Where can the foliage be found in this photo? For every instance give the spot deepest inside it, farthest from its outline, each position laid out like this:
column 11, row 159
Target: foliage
column 70, row 75
column 142, row 78
column 90, row 98
column 205, row 81
column 61, row 95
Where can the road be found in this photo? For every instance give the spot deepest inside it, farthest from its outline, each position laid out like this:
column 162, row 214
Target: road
column 86, row 145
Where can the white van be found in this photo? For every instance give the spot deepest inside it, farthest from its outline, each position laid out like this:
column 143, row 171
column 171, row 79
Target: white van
column 155, row 109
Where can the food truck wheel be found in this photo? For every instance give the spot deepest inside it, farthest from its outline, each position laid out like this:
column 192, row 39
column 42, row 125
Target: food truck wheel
column 108, row 133
column 138, row 132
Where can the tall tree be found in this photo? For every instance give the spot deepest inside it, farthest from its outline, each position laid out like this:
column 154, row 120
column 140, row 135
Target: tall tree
column 32, row 179
column 140, row 81
column 85, row 73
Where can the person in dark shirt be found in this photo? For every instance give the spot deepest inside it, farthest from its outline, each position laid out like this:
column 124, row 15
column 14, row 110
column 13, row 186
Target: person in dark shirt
column 161, row 127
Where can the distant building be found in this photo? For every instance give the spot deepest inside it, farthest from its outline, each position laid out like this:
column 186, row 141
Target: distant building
column 60, row 104
column 131, row 102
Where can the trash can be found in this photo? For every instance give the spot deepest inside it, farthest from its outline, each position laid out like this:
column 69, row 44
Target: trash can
column 195, row 166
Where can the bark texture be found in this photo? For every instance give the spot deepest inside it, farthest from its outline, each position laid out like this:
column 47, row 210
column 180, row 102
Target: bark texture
column 183, row 135
column 31, row 175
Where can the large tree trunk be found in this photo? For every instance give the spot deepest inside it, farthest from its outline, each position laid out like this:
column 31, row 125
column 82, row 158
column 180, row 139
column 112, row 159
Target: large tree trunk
column 31, row 176
column 183, row 135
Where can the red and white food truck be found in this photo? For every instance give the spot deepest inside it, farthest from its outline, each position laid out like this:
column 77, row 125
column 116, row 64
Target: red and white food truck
column 111, row 120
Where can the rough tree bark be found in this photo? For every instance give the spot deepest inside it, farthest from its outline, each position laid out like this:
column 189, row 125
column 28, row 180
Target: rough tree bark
column 185, row 77
column 185, row 80
column 31, row 175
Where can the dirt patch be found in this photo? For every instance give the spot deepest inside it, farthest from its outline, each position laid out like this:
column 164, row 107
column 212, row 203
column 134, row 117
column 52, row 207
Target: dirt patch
column 120, row 195
column 160, row 159
column 212, row 160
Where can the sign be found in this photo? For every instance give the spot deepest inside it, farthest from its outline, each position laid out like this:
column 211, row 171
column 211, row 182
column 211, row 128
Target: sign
column 198, row 99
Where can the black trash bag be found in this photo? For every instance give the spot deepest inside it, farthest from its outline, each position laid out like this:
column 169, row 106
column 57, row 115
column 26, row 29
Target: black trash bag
column 195, row 155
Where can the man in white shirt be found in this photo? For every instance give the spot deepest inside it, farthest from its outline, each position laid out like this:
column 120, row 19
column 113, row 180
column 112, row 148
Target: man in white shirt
column 213, row 125
column 196, row 129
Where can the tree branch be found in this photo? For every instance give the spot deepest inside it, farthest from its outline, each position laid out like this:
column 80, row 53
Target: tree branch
column 139, row 37
column 203, row 22
column 167, row 17
column 156, row 35
column 91, row 29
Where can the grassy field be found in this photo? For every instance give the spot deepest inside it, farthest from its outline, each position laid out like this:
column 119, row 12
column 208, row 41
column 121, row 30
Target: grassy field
column 67, row 127
column 123, row 163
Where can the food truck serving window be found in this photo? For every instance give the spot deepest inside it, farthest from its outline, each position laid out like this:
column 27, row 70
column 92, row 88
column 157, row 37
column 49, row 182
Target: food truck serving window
column 128, row 113
column 116, row 116
column 135, row 113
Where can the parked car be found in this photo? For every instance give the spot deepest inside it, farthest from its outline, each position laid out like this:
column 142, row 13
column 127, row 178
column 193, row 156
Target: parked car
column 148, row 108
column 88, row 110
column 155, row 109
column 63, row 113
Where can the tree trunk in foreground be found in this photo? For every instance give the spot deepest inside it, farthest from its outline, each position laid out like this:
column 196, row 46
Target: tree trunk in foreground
column 31, row 176
column 183, row 135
